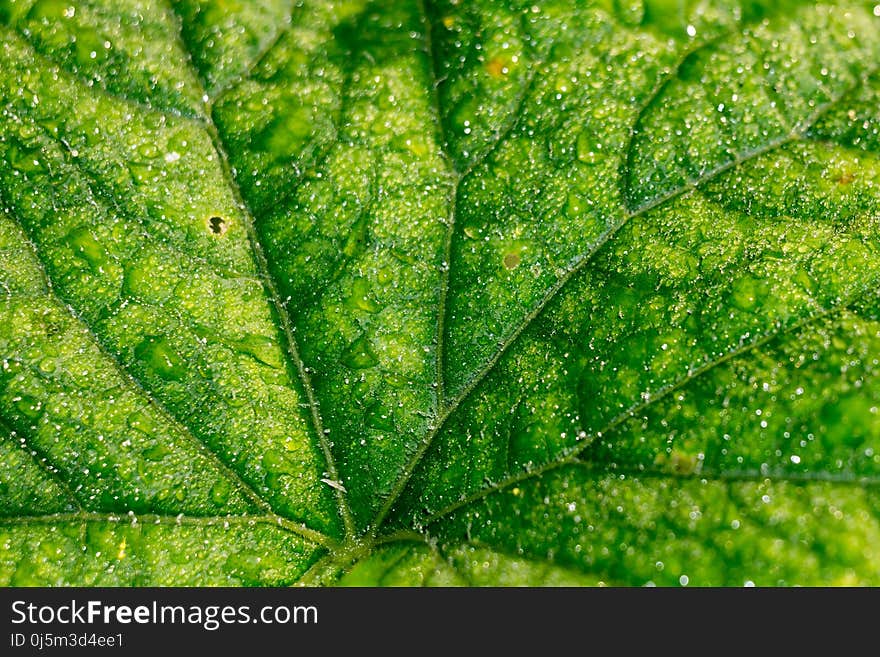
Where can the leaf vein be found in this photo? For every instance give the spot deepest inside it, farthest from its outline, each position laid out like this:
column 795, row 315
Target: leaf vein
column 41, row 459
column 578, row 265
column 571, row 456
column 282, row 314
column 86, row 517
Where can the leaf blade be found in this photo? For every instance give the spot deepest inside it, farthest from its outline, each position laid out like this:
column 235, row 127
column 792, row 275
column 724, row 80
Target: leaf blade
column 137, row 254
column 392, row 289
column 356, row 250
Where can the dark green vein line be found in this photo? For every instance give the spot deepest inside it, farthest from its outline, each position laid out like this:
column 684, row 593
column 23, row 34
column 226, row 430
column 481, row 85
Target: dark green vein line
column 545, row 566
column 453, row 563
column 663, row 83
column 402, row 536
column 439, row 339
column 389, row 567
column 726, row 479
column 313, row 159
column 743, row 476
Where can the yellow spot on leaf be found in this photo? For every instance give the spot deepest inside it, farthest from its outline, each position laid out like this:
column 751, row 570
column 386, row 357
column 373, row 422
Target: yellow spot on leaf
column 497, row 67
column 512, row 260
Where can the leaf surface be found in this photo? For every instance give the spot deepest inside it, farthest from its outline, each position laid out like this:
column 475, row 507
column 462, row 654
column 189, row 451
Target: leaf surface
column 439, row 293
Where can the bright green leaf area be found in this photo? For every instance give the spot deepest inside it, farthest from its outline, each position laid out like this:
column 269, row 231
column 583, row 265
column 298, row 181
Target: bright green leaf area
column 439, row 292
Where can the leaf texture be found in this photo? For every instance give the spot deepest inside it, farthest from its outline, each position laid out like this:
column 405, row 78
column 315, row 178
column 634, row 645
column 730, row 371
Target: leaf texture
column 439, row 293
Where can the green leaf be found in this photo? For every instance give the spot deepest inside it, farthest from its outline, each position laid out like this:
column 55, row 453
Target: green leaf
column 439, row 293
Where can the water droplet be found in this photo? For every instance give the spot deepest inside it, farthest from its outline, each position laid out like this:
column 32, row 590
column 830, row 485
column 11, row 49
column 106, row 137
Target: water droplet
column 50, row 9
column 378, row 417
column 156, row 452
column 588, row 148
column 287, row 132
column 261, row 347
column 630, row 12
column 143, row 173
column 157, row 354
column 86, row 247
column 220, row 491
column 29, row 406
column 148, row 150
column 359, row 354
column 361, row 297
column 26, row 159
column 141, row 421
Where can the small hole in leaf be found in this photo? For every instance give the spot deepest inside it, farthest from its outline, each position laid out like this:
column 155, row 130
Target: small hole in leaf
column 217, row 224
